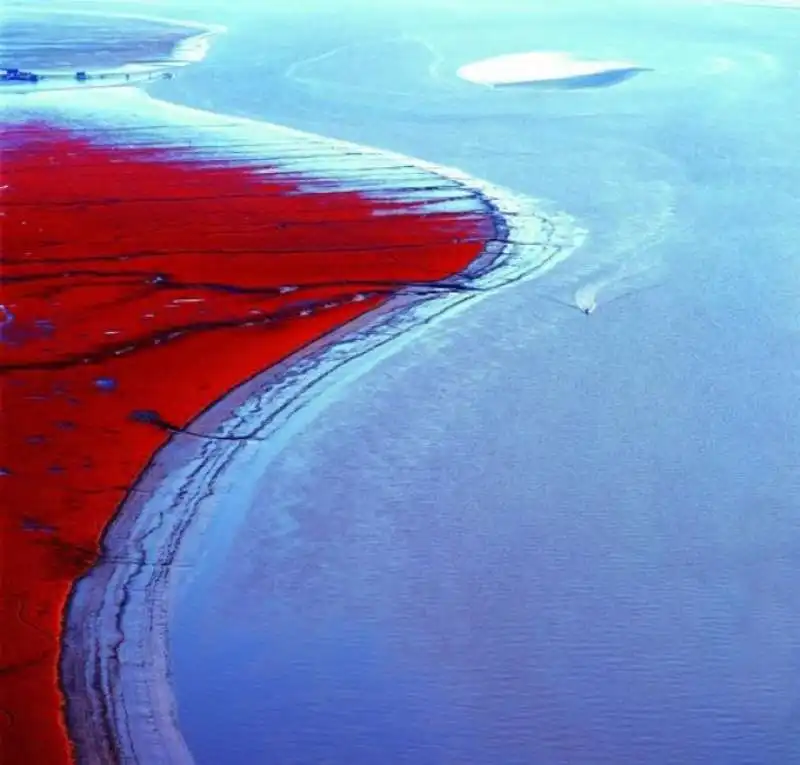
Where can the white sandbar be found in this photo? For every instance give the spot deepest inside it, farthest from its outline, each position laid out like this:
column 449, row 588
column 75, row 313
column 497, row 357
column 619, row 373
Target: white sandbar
column 518, row 68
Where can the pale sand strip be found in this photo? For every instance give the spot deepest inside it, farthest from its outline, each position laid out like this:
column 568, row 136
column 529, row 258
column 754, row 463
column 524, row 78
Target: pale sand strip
column 115, row 664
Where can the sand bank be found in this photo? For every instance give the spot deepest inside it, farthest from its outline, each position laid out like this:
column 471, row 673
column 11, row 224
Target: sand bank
column 541, row 68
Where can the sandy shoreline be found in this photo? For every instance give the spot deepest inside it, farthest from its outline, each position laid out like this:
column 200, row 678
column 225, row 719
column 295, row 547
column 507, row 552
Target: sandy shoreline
column 115, row 660
column 114, row 664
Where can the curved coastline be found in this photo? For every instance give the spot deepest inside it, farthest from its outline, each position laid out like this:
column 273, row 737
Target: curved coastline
column 114, row 661
column 189, row 496
column 282, row 277
column 41, row 567
column 119, row 664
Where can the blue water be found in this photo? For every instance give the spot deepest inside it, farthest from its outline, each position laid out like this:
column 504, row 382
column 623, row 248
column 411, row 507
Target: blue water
column 535, row 537
column 327, row 693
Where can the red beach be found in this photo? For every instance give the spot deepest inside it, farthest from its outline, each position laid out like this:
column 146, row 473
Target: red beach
column 139, row 287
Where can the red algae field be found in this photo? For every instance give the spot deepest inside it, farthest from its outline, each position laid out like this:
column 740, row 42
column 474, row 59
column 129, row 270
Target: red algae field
column 142, row 281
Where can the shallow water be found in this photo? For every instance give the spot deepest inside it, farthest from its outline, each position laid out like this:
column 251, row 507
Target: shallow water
column 534, row 536
column 74, row 41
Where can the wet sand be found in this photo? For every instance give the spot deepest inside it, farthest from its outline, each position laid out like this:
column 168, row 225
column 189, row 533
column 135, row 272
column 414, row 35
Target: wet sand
column 530, row 533
column 139, row 548
column 143, row 281
column 535, row 535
